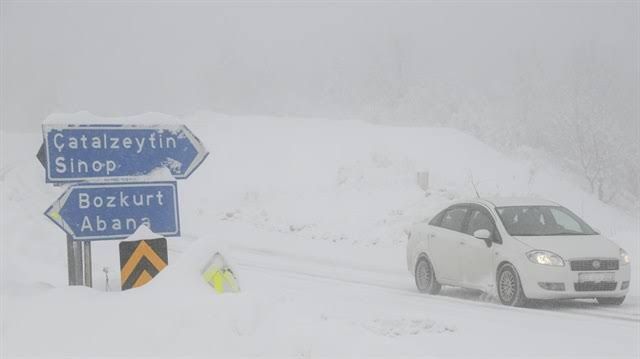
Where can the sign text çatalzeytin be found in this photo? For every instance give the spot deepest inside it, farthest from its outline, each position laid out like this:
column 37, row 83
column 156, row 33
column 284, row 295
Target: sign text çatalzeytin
column 75, row 153
column 135, row 145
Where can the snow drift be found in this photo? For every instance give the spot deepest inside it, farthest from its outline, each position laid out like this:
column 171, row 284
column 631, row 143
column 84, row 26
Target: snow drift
column 312, row 213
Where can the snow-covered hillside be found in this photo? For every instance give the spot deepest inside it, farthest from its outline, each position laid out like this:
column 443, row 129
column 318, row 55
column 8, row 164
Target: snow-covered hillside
column 313, row 213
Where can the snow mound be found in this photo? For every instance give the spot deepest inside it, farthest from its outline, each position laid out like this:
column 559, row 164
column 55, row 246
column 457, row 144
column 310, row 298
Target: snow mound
column 311, row 215
column 88, row 118
column 402, row 327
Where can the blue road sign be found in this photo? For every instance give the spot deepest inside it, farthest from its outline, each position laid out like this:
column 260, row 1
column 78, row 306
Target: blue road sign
column 116, row 210
column 76, row 153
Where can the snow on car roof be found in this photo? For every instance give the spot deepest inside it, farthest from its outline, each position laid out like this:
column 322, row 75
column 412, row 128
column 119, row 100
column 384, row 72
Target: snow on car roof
column 519, row 201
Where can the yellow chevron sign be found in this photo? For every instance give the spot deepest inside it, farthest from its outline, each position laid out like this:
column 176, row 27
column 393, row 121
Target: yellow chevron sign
column 140, row 261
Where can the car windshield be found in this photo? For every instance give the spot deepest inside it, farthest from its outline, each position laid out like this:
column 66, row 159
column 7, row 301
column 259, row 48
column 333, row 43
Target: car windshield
column 542, row 221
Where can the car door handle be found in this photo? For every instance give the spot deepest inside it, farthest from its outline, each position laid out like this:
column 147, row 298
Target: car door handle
column 462, row 243
column 431, row 235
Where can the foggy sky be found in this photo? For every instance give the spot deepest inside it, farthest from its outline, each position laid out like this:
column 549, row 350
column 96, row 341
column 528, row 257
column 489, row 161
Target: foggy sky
column 306, row 59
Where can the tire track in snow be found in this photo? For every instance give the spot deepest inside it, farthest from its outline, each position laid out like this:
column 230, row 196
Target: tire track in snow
column 447, row 300
column 393, row 281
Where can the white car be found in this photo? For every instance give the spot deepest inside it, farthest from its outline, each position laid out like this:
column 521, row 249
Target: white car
column 519, row 249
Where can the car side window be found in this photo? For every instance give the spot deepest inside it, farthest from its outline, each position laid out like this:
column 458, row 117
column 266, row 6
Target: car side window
column 454, row 218
column 437, row 219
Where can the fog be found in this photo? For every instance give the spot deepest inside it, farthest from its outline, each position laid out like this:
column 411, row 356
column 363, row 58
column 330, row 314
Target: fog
column 507, row 73
column 319, row 179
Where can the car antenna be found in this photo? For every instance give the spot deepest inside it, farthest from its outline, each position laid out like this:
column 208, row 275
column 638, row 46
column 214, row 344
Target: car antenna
column 473, row 183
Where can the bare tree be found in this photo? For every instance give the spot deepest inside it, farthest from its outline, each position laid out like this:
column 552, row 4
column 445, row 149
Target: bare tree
column 589, row 122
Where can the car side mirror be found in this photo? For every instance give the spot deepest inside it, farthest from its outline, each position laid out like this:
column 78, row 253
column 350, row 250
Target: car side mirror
column 482, row 234
column 485, row 235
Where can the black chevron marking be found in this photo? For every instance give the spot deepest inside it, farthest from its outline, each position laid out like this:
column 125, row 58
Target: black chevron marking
column 127, row 249
column 159, row 245
column 143, row 265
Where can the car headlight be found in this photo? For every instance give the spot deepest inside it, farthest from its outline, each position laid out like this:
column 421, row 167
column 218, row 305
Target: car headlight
column 624, row 257
column 545, row 258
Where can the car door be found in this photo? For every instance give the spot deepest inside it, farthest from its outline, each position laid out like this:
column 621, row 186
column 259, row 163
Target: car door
column 476, row 257
column 444, row 243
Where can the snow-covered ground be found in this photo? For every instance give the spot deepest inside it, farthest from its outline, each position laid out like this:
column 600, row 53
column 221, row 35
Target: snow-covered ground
column 311, row 213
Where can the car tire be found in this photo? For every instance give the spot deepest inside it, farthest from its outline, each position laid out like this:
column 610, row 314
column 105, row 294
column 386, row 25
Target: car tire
column 509, row 287
column 610, row 301
column 426, row 281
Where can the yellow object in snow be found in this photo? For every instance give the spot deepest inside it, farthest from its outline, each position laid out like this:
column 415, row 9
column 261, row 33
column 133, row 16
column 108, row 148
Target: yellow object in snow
column 220, row 276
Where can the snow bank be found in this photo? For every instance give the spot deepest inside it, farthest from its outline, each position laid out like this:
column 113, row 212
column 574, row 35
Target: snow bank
column 87, row 118
column 297, row 206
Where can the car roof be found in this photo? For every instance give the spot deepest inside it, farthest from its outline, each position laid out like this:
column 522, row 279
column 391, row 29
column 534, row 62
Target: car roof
column 507, row 201
column 513, row 201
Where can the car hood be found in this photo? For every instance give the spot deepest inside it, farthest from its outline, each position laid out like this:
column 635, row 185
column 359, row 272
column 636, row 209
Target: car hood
column 570, row 247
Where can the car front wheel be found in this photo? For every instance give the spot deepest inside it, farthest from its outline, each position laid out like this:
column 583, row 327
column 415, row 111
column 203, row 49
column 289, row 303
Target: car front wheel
column 610, row 301
column 426, row 277
column 509, row 287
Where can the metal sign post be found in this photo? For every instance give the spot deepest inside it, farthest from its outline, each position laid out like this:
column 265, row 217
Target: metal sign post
column 77, row 266
column 86, row 252
column 71, row 261
column 74, row 261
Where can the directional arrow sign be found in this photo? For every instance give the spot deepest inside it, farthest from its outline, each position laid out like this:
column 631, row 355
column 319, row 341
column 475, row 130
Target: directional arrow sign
column 116, row 210
column 75, row 153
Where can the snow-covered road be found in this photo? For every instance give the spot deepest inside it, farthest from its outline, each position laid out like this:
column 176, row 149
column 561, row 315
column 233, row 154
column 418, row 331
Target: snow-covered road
column 317, row 269
column 305, row 305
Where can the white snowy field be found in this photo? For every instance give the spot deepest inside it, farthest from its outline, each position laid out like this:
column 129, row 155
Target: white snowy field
column 311, row 214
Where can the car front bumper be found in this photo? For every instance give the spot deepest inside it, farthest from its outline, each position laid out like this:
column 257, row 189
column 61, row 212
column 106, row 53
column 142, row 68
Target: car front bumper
column 532, row 275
